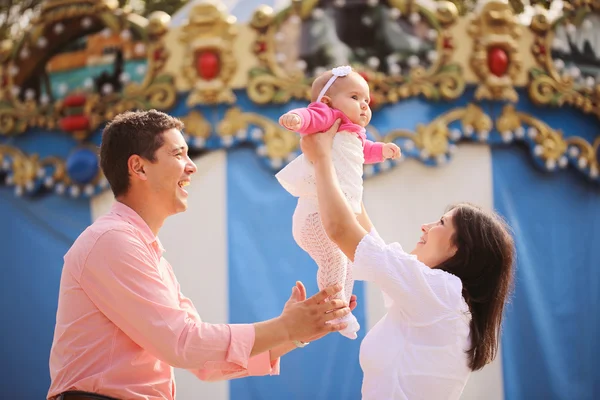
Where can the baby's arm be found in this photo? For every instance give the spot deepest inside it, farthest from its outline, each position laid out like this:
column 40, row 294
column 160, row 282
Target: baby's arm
column 317, row 117
column 377, row 151
column 373, row 152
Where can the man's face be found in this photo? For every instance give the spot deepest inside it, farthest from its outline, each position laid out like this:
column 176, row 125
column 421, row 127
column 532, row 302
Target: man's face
column 170, row 173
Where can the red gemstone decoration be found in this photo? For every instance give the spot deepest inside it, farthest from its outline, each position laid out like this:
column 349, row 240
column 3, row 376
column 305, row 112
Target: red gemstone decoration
column 74, row 100
column 261, row 47
column 74, row 123
column 448, row 43
column 542, row 49
column 208, row 65
column 497, row 61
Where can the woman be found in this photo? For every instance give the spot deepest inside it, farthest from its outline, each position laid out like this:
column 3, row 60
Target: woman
column 445, row 298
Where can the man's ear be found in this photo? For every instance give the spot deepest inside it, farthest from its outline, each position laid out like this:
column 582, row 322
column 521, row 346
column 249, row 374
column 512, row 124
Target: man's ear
column 326, row 100
column 136, row 166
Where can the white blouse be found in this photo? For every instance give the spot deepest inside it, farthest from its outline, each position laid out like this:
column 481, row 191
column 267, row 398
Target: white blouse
column 418, row 349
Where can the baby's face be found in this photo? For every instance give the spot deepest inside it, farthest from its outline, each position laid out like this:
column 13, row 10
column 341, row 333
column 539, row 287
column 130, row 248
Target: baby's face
column 351, row 97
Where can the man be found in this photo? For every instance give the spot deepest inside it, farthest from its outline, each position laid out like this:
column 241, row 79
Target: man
column 122, row 322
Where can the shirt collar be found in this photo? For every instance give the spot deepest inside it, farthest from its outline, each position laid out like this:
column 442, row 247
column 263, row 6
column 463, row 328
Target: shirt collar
column 129, row 215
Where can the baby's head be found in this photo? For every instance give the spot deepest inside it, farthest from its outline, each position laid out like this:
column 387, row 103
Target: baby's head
column 349, row 94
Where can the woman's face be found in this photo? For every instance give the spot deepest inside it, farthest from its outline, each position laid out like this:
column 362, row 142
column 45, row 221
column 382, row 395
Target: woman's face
column 436, row 245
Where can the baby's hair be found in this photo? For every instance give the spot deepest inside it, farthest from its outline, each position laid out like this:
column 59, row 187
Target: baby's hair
column 320, row 82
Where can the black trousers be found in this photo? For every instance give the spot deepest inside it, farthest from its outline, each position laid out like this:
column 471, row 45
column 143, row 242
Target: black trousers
column 78, row 395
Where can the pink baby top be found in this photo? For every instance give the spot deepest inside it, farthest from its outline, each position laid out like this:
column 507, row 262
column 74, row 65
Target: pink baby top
column 318, row 117
column 122, row 323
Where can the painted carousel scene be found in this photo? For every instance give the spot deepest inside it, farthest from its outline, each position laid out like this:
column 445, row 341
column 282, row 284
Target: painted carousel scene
column 174, row 199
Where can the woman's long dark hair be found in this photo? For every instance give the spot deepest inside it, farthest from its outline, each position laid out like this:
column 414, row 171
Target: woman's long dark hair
column 484, row 263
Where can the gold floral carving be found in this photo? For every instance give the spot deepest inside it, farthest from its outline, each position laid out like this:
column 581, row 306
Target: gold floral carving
column 278, row 141
column 157, row 90
column 196, row 125
column 550, row 145
column 496, row 27
column 433, row 139
column 210, row 29
column 547, row 84
column 26, row 169
column 27, row 173
column 269, row 82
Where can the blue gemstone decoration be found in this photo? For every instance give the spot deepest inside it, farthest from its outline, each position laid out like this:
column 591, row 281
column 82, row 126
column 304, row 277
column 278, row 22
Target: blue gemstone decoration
column 82, row 166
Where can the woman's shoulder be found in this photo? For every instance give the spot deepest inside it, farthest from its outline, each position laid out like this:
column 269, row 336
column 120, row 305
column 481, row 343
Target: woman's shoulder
column 447, row 286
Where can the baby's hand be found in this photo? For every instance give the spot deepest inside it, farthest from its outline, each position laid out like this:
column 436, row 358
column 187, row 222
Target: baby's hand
column 390, row 150
column 290, row 121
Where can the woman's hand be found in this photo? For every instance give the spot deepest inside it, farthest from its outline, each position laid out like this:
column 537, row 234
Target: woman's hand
column 318, row 145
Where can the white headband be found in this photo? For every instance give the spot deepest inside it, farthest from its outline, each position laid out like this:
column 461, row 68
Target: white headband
column 337, row 72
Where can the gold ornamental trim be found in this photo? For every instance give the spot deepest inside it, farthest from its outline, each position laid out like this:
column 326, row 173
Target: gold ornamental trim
column 552, row 83
column 209, row 31
column 270, row 83
column 29, row 173
column 60, row 23
column 433, row 141
column 496, row 28
column 279, row 143
column 549, row 144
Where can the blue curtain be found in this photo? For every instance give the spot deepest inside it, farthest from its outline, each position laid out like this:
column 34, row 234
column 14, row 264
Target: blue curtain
column 550, row 339
column 264, row 264
column 34, row 236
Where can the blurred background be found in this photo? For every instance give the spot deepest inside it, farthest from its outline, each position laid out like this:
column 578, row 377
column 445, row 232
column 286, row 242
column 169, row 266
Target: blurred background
column 491, row 102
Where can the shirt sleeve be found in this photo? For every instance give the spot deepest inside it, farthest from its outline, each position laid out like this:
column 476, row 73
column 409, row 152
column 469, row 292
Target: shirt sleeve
column 421, row 293
column 258, row 365
column 122, row 278
column 315, row 118
column 373, row 152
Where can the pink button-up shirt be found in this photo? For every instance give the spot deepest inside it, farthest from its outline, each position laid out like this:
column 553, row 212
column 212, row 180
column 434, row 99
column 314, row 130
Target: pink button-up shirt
column 122, row 322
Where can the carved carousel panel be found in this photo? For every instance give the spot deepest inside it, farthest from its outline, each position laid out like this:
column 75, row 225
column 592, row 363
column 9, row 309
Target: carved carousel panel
column 401, row 48
column 81, row 63
column 209, row 61
column 496, row 59
column 568, row 54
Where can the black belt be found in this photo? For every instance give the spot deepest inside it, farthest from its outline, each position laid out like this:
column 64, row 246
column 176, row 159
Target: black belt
column 79, row 395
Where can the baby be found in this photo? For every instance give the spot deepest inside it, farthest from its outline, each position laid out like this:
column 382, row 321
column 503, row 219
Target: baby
column 344, row 94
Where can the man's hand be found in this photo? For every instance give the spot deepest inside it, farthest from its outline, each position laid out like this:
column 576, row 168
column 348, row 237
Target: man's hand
column 352, row 307
column 391, row 150
column 290, row 121
column 305, row 319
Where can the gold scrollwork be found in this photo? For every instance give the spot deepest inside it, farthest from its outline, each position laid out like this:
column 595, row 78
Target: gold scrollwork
column 278, row 141
column 496, row 32
column 157, row 90
column 551, row 146
column 26, row 169
column 270, row 82
column 196, row 125
column 28, row 173
column 209, row 63
column 433, row 140
column 552, row 83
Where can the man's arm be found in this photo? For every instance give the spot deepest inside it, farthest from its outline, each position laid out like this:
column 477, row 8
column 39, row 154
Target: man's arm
column 124, row 282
